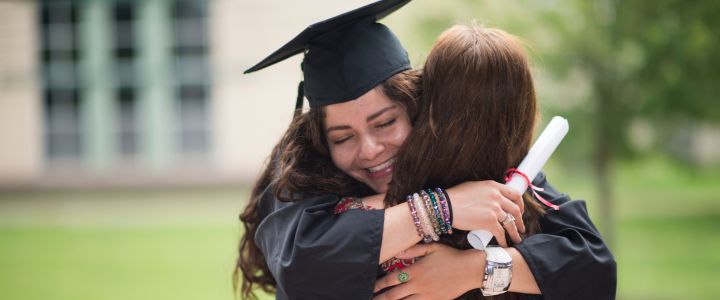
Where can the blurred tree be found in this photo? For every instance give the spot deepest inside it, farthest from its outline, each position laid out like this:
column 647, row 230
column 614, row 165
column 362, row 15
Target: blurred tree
column 648, row 60
column 654, row 60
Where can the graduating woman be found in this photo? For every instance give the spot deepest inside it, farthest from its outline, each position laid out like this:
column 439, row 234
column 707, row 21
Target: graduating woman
column 362, row 111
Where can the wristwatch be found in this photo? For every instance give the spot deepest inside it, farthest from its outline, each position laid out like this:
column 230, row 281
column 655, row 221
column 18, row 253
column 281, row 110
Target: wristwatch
column 498, row 271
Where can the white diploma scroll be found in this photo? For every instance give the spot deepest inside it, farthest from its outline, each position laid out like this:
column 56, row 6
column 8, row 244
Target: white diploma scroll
column 531, row 165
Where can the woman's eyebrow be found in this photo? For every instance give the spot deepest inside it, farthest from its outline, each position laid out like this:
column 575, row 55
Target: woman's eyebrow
column 380, row 112
column 340, row 127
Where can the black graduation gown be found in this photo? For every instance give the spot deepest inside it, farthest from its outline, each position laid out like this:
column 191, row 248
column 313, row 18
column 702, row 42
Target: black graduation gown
column 314, row 254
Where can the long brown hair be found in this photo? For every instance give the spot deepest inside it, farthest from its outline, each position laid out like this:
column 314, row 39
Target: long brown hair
column 477, row 114
column 299, row 167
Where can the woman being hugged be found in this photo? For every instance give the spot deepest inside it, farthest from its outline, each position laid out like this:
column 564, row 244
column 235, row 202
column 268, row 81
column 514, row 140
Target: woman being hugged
column 476, row 118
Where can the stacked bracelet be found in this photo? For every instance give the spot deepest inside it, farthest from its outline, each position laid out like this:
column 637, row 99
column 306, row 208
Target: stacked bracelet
column 432, row 206
column 445, row 205
column 416, row 220
column 431, row 213
column 424, row 215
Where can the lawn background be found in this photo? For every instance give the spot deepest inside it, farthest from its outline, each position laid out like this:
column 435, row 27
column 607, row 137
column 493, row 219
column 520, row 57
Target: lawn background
column 181, row 243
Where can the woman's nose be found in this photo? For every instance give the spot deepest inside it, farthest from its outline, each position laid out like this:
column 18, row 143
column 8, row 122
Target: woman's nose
column 370, row 148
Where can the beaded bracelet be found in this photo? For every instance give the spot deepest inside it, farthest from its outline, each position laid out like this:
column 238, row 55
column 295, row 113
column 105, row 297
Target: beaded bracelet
column 432, row 213
column 444, row 205
column 416, row 220
column 432, row 221
column 421, row 218
column 440, row 213
column 425, row 217
column 446, row 197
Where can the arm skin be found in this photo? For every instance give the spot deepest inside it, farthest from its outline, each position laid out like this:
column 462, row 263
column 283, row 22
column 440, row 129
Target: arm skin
column 460, row 270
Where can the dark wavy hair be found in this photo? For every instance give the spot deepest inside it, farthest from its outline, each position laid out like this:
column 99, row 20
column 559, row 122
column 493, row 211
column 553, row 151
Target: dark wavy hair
column 299, row 167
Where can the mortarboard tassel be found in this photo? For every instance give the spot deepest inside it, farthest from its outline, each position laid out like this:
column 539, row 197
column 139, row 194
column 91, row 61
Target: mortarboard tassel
column 299, row 101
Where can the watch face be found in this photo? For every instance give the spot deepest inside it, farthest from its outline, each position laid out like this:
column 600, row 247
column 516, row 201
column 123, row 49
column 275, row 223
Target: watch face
column 498, row 272
column 501, row 280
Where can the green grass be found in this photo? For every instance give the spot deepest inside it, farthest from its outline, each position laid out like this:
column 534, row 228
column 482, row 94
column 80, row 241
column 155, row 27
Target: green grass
column 667, row 221
column 117, row 263
column 180, row 244
column 137, row 244
column 669, row 257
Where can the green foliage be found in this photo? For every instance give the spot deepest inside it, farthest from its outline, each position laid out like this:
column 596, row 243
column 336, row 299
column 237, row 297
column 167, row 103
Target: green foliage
column 607, row 64
column 679, row 43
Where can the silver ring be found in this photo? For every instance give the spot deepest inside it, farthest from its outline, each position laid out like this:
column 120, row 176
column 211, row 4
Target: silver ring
column 509, row 219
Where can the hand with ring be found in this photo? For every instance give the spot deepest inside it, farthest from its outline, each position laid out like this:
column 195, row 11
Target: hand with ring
column 423, row 277
column 403, row 277
column 488, row 205
column 509, row 219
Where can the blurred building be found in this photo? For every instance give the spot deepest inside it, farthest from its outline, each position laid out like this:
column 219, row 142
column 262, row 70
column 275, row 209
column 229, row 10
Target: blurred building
column 130, row 92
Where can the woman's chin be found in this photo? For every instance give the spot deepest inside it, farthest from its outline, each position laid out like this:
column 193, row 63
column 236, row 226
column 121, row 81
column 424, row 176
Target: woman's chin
column 380, row 187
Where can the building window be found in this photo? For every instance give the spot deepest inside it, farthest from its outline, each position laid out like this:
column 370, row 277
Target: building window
column 61, row 97
column 64, row 53
column 125, row 69
column 126, row 124
column 192, row 72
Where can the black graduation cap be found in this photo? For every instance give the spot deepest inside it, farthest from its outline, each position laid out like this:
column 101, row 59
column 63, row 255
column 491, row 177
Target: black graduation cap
column 345, row 56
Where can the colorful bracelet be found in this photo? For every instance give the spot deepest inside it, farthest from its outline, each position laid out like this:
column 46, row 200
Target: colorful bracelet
column 431, row 211
column 449, row 205
column 441, row 212
column 445, row 205
column 416, row 220
column 438, row 214
column 430, row 219
column 432, row 214
column 425, row 218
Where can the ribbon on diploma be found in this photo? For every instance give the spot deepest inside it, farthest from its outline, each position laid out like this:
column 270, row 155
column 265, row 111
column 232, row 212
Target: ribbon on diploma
column 520, row 178
column 512, row 171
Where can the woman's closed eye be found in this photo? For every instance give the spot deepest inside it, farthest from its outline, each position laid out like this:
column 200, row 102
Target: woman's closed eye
column 341, row 140
column 386, row 124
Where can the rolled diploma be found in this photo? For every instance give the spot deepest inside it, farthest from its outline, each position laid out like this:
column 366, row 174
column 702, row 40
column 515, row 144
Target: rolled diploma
column 531, row 165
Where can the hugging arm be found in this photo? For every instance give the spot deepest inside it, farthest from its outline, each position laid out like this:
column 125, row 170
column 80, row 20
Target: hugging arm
column 313, row 254
column 567, row 259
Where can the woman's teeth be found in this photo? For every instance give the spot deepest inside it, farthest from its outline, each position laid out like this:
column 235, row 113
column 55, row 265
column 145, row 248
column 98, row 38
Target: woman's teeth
column 381, row 166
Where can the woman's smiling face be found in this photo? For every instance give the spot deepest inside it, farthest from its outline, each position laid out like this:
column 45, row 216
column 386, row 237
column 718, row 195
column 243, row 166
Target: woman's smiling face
column 364, row 135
